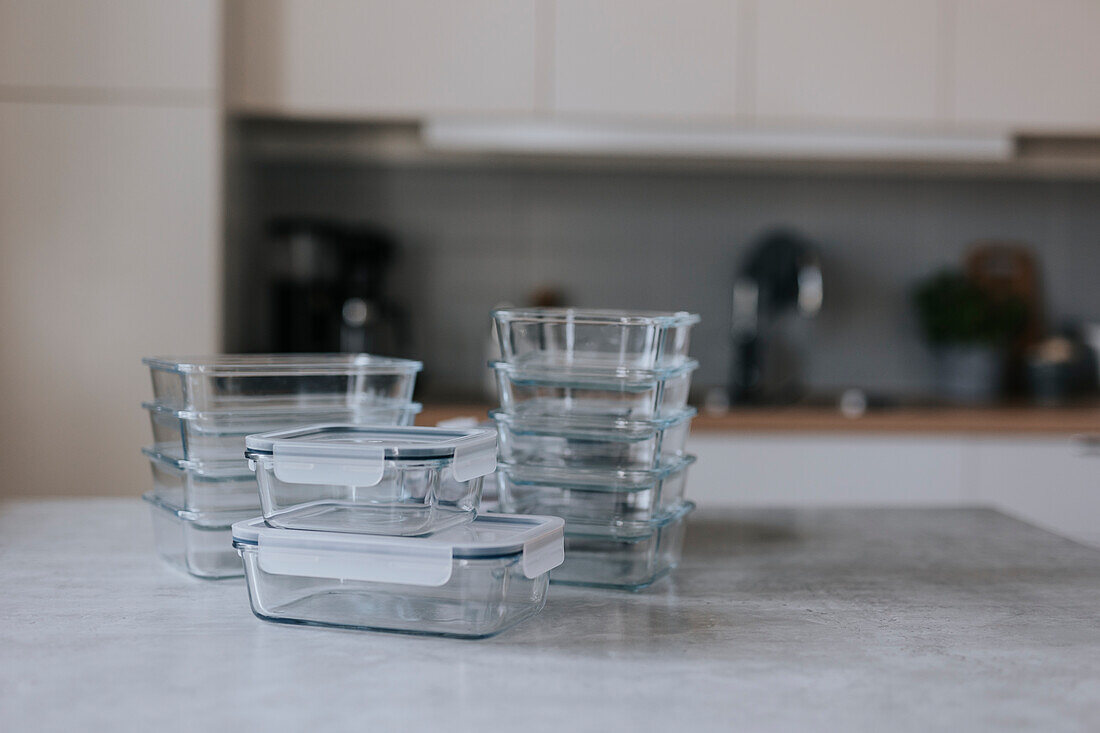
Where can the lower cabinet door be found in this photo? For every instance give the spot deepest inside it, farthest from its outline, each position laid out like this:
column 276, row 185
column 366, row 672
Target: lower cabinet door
column 1051, row 482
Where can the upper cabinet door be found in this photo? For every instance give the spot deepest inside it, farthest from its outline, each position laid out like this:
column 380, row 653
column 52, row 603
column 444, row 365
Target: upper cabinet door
column 382, row 58
column 645, row 58
column 1028, row 64
column 847, row 60
column 115, row 45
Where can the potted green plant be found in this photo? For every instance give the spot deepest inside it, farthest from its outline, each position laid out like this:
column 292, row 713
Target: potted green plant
column 969, row 330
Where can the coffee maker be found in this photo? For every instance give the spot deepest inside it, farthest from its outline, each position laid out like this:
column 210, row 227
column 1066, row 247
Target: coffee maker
column 328, row 288
column 780, row 279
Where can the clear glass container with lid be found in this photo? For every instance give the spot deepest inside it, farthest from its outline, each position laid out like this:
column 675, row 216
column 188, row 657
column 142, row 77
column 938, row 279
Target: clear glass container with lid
column 232, row 381
column 376, row 480
column 585, row 390
column 474, row 580
column 556, row 337
column 218, row 435
column 591, row 441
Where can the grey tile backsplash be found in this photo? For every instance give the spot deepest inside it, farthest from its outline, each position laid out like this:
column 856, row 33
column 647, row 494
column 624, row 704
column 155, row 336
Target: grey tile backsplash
column 476, row 236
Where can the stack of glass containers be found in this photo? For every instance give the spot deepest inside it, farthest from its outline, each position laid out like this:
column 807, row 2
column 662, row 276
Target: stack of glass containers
column 202, row 409
column 592, row 427
column 377, row 528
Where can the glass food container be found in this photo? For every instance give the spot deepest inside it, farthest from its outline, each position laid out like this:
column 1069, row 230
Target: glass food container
column 474, row 580
column 575, row 391
column 612, row 504
column 557, row 337
column 591, row 441
column 377, row 480
column 218, row 435
column 199, row 543
column 624, row 564
column 203, row 487
column 232, row 381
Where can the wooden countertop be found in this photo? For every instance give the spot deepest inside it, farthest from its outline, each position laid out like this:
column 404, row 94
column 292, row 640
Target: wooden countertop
column 992, row 420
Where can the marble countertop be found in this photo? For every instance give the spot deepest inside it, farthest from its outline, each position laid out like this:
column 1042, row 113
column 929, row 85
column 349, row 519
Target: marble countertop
column 792, row 620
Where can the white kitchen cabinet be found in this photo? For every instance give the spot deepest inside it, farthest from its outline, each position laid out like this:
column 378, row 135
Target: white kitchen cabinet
column 109, row 251
column 645, row 58
column 969, row 66
column 1053, row 482
column 118, row 45
column 377, row 58
column 860, row 61
column 808, row 469
column 110, row 227
column 1026, row 64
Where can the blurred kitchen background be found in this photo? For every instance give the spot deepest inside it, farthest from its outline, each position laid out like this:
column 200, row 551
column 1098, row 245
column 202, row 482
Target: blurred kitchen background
column 886, row 212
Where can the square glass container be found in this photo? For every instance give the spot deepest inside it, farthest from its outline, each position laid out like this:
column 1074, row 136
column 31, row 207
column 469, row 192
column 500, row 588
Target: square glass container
column 578, row 391
column 624, row 564
column 204, row 487
column 614, row 504
column 233, row 381
column 475, row 580
column 591, row 441
column 376, row 480
column 218, row 435
column 199, row 543
column 556, row 337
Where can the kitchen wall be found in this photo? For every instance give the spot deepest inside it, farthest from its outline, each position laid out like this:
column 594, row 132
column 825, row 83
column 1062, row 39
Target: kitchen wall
column 476, row 235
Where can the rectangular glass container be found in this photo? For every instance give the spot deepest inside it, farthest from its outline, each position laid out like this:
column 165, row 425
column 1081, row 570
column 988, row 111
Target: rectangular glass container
column 197, row 543
column 558, row 337
column 204, row 487
column 616, row 504
column 218, row 435
column 589, row 441
column 377, row 480
column 579, row 391
column 232, row 381
column 475, row 580
column 624, row 564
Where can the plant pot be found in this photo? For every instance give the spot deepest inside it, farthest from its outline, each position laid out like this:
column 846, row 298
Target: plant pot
column 969, row 373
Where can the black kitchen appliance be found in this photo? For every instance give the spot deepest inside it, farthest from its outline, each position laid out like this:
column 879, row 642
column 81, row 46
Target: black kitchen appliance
column 779, row 279
column 328, row 287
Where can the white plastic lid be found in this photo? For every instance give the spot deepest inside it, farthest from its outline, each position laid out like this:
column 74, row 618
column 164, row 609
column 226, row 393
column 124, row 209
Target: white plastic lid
column 356, row 455
column 426, row 561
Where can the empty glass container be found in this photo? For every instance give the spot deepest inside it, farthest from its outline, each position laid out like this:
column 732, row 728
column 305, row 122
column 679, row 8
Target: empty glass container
column 232, row 381
column 199, row 543
column 218, row 435
column 625, row 564
column 558, row 337
column 204, row 487
column 379, row 480
column 575, row 391
column 474, row 580
column 619, row 504
column 591, row 441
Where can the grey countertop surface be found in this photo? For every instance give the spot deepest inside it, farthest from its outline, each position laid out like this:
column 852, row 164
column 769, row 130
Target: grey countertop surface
column 833, row 619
